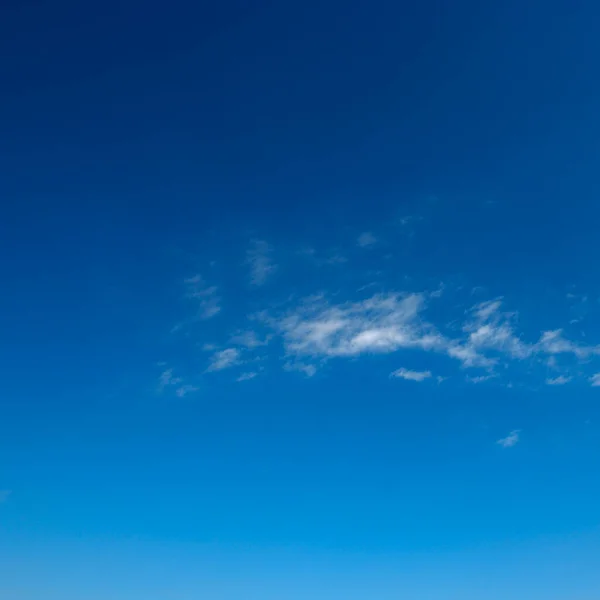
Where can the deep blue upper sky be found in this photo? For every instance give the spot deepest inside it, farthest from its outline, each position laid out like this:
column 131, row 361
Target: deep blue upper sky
column 299, row 300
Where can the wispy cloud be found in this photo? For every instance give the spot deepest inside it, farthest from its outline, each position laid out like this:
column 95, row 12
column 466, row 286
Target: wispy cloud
column 184, row 390
column 480, row 378
column 595, row 380
column 166, row 379
column 247, row 376
column 380, row 324
column 205, row 295
column 419, row 376
column 489, row 329
column 560, row 380
column 4, row 494
column 510, row 440
column 308, row 370
column 249, row 339
column 259, row 259
column 366, row 239
column 224, row 359
column 553, row 342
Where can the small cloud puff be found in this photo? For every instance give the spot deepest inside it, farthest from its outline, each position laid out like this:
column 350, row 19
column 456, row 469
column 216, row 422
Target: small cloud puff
column 510, row 440
column 418, row 376
column 184, row 390
column 224, row 359
column 247, row 376
column 560, row 380
column 595, row 380
column 366, row 239
column 166, row 379
column 308, row 370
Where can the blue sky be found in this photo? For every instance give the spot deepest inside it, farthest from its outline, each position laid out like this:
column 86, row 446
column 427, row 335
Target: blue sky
column 300, row 300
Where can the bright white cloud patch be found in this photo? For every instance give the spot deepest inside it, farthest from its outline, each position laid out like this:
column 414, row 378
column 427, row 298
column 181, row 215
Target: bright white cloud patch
column 510, row 440
column 306, row 332
column 366, row 239
column 489, row 329
column 419, row 376
column 383, row 323
column 224, row 359
column 259, row 259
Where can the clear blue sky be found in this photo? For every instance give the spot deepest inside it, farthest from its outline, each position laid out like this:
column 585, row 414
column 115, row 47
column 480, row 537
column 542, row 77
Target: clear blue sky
column 299, row 300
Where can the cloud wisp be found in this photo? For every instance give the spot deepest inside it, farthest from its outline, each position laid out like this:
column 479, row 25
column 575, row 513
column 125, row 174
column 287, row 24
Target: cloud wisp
column 409, row 375
column 304, row 332
column 206, row 297
column 317, row 330
column 512, row 439
column 366, row 240
column 224, row 359
column 560, row 380
column 259, row 259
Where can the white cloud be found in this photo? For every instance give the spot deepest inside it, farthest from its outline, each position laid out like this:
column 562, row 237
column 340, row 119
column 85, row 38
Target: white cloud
column 308, row 370
column 380, row 324
column 249, row 339
column 595, row 380
column 224, row 359
column 184, row 390
column 510, row 440
column 411, row 375
column 247, row 376
column 480, row 378
column 166, row 378
column 553, row 342
column 4, row 494
column 489, row 328
column 258, row 257
column 560, row 380
column 206, row 297
column 366, row 239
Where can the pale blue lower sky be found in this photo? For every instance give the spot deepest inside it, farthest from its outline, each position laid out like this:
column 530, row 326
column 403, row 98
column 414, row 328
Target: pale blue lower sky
column 59, row 569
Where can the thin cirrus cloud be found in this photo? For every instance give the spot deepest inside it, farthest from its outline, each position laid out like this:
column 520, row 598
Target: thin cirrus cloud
column 366, row 239
column 306, row 331
column 166, row 379
column 184, row 390
column 512, row 439
column 260, row 262
column 206, row 297
column 224, row 359
column 247, row 376
column 384, row 323
column 595, row 380
column 560, row 380
column 308, row 370
column 409, row 375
